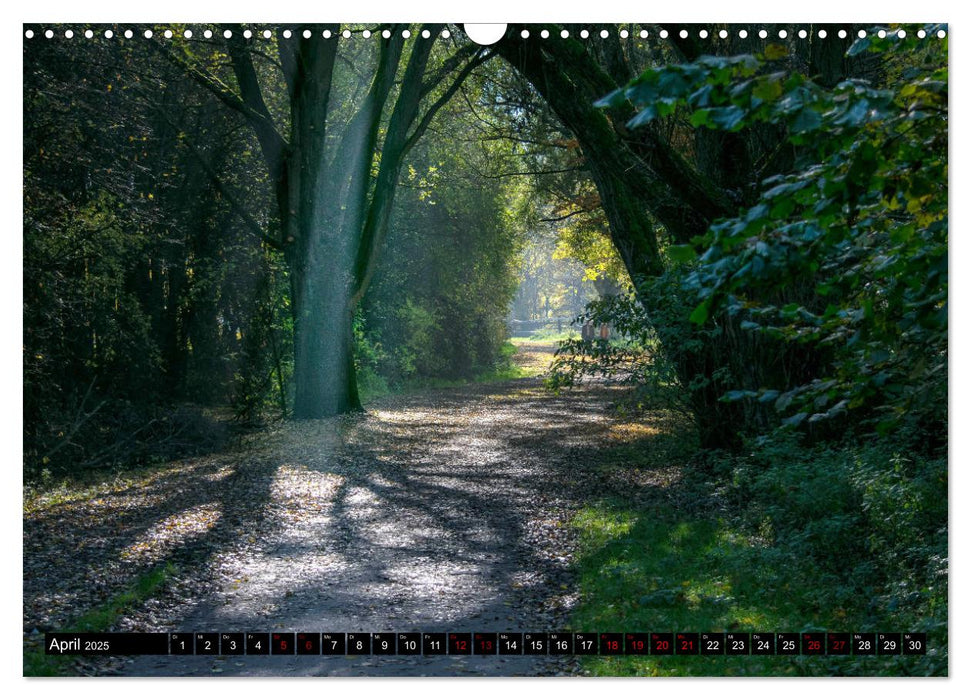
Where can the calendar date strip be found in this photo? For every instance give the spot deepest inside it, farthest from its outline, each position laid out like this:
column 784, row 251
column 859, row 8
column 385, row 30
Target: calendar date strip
column 487, row 643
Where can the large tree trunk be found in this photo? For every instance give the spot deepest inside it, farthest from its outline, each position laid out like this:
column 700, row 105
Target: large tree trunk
column 324, row 375
column 318, row 245
column 320, row 266
column 335, row 218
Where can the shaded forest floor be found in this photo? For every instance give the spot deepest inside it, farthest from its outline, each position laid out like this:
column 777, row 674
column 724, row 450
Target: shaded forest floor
column 486, row 507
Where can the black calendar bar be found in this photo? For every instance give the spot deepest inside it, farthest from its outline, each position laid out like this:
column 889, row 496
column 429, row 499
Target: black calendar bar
column 487, row 643
column 105, row 644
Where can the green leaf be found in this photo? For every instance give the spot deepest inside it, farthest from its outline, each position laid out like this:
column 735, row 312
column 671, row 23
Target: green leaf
column 617, row 97
column 782, row 403
column 738, row 395
column 768, row 87
column 727, row 118
column 768, row 395
column 700, row 118
column 795, row 420
column 859, row 46
column 775, row 52
column 646, row 115
column 855, row 115
column 808, row 119
column 701, row 97
column 681, row 253
column 700, row 314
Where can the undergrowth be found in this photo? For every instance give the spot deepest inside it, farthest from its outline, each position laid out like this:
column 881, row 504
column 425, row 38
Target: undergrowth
column 845, row 538
column 98, row 619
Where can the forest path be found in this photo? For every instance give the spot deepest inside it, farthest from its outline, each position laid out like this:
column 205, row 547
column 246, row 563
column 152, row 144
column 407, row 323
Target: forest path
column 446, row 510
column 534, row 356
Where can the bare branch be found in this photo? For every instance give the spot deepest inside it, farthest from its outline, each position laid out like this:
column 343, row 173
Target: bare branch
column 253, row 109
column 534, row 173
column 217, row 182
column 567, row 216
column 448, row 65
column 477, row 61
column 288, row 60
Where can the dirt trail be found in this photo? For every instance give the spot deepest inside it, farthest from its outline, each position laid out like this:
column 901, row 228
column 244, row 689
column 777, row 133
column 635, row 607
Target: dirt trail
column 439, row 511
column 534, row 356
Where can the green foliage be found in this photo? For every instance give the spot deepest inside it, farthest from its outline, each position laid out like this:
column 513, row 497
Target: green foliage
column 846, row 254
column 668, row 360
column 584, row 237
column 834, row 537
column 866, row 516
column 843, row 260
column 139, row 286
column 369, row 355
column 437, row 305
column 79, row 308
column 822, row 305
column 92, row 358
column 264, row 364
column 555, row 278
column 630, row 356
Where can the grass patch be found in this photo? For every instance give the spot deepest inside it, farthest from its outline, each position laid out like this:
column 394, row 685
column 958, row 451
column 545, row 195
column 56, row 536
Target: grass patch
column 502, row 374
column 145, row 586
column 647, row 569
column 99, row 619
column 48, row 491
column 782, row 537
column 506, row 368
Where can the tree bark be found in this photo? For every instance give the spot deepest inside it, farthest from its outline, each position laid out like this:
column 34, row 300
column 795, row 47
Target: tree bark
column 324, row 374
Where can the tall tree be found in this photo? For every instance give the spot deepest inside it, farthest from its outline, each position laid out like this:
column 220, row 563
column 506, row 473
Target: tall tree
column 668, row 176
column 333, row 191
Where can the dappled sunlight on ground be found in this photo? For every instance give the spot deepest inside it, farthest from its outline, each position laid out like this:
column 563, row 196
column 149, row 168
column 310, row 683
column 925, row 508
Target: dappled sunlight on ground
column 144, row 488
column 219, row 474
column 160, row 539
column 448, row 507
column 630, row 431
column 83, row 544
column 297, row 488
